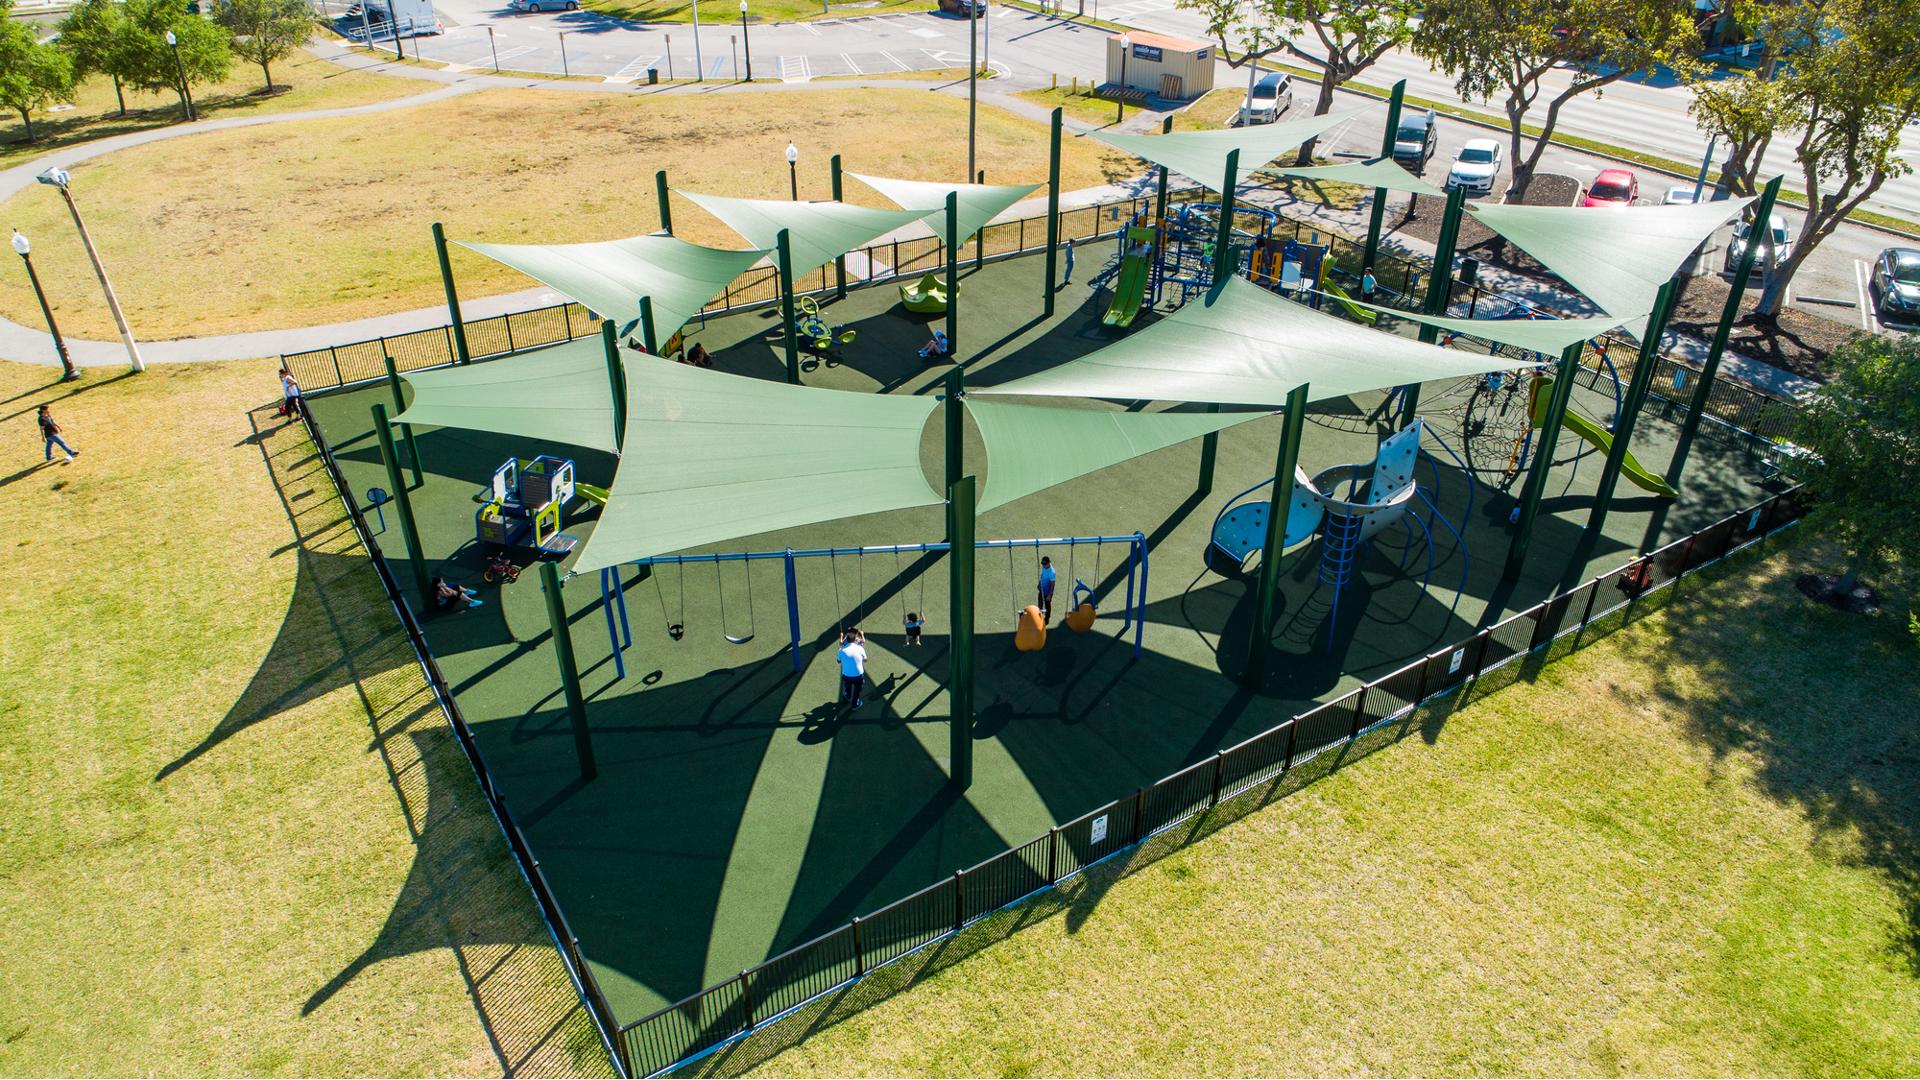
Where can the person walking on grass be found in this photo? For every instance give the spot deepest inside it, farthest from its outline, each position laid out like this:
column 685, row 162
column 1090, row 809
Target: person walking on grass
column 1067, row 278
column 853, row 668
column 291, row 406
column 1048, row 578
column 50, row 435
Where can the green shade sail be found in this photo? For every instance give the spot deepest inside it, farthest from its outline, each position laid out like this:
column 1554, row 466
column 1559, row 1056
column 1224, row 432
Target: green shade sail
column 977, row 203
column 710, row 457
column 1243, row 345
column 1547, row 336
column 610, row 277
column 1202, row 155
column 819, row 232
column 1033, row 447
column 1377, row 173
column 559, row 393
column 1617, row 257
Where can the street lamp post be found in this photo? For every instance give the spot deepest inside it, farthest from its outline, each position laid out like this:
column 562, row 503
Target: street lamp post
column 60, row 179
column 564, row 70
column 973, row 80
column 746, row 39
column 1120, row 100
column 699, row 65
column 59, row 344
column 793, row 170
column 186, row 92
column 494, row 49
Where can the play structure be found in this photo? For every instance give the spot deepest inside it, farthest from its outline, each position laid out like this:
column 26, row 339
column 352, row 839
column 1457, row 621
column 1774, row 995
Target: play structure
column 1377, row 496
column 1186, row 258
column 1083, row 599
column 815, row 334
column 928, row 296
column 1138, row 245
column 524, row 505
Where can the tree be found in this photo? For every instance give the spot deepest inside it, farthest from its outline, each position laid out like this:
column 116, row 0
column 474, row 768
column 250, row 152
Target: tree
column 33, row 74
column 266, row 30
column 1862, row 431
column 94, row 34
column 1351, row 35
column 203, row 50
column 1746, row 111
column 1507, row 48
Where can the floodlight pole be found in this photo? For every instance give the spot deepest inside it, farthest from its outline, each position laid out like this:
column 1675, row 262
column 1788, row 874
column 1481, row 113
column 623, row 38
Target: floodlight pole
column 1379, row 214
column 953, row 276
column 1630, row 408
column 616, row 374
column 1260, row 637
column 1439, row 292
column 406, row 430
column 699, row 65
column 460, row 352
column 410, row 533
column 960, row 511
column 973, row 82
column 569, row 669
column 60, row 179
column 68, row 372
column 1717, row 348
column 1053, row 215
column 1538, row 469
column 1223, row 260
column 839, row 261
column 660, row 196
column 784, row 254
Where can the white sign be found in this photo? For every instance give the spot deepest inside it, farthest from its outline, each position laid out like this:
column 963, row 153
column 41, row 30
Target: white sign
column 1099, row 828
column 1453, row 665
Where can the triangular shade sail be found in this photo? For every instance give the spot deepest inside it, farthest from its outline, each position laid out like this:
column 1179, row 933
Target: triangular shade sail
column 1546, row 336
column 1617, row 258
column 1202, row 155
column 977, row 203
column 1032, row 447
column 1377, row 173
column 1243, row 345
column 560, row 393
column 611, row 276
column 709, row 457
column 818, row 232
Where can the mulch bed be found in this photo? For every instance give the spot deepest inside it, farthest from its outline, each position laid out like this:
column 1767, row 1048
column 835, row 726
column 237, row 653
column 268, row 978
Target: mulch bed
column 1824, row 588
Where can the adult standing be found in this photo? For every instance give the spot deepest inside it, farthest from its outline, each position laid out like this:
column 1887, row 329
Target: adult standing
column 1067, row 278
column 50, row 430
column 291, row 405
column 853, row 668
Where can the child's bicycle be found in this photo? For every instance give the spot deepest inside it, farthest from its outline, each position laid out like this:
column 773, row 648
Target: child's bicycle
column 500, row 569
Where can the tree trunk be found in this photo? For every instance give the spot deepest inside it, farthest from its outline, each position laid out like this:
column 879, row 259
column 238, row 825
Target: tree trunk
column 1848, row 579
column 1329, row 80
column 119, row 96
column 268, row 74
column 1522, row 170
column 28, row 121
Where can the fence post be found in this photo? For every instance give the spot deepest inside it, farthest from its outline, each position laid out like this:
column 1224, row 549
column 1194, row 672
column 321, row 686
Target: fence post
column 338, row 379
column 1293, row 730
column 1480, row 658
column 859, row 957
column 1053, row 856
column 1359, row 710
column 1592, row 595
column 1420, row 688
column 1219, row 774
column 746, row 996
column 959, row 900
column 508, row 320
column 566, row 319
column 1139, row 814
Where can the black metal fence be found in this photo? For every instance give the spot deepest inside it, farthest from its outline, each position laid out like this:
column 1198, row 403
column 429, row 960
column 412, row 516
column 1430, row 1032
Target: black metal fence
column 564, row 940
column 755, row 997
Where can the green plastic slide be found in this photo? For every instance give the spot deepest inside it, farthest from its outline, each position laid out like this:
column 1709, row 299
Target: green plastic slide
column 595, row 495
column 1128, row 291
column 1603, row 439
column 1346, row 303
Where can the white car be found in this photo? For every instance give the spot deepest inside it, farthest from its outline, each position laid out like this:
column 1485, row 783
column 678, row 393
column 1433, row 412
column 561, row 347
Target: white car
column 1678, row 195
column 545, row 5
column 1476, row 167
column 1772, row 249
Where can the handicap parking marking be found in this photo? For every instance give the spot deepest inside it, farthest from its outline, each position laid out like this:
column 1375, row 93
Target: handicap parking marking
column 794, row 67
column 489, row 59
column 634, row 69
column 921, row 31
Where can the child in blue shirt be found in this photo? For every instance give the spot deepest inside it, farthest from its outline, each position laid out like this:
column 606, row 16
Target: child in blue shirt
column 913, row 622
column 1048, row 577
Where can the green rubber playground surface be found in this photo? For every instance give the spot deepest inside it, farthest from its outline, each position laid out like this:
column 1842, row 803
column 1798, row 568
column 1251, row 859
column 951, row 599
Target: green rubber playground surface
column 738, row 814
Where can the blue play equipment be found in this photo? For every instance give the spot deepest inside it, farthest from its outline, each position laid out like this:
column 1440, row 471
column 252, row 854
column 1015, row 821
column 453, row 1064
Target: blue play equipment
column 524, row 504
column 1186, row 252
column 1377, row 495
column 620, row 634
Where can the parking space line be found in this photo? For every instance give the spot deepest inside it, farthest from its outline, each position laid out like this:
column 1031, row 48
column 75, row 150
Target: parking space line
column 1867, row 320
column 898, row 64
column 848, row 57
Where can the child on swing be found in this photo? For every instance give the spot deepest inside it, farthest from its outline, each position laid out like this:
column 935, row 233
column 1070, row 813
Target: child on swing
column 913, row 624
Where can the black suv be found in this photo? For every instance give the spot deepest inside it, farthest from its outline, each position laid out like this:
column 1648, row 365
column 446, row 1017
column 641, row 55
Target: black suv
column 1415, row 142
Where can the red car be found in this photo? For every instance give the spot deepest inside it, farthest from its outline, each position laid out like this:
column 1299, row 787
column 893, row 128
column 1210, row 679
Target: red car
column 1613, row 187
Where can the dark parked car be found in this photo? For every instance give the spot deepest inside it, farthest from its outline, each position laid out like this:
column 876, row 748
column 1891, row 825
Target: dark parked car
column 1894, row 285
column 964, row 7
column 1416, row 140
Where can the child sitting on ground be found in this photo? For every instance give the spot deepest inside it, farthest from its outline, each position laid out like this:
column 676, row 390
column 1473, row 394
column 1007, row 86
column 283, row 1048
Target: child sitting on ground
column 936, row 347
column 446, row 594
column 913, row 622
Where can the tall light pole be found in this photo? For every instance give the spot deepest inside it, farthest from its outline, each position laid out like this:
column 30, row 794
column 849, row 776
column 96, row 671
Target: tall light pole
column 973, row 80
column 1120, row 101
column 59, row 178
column 793, row 170
column 59, row 344
column 186, row 92
column 746, row 40
column 699, row 65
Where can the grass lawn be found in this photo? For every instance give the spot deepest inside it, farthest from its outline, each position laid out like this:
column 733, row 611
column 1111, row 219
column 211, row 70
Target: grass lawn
column 304, row 82
column 239, row 837
column 723, row 11
column 1689, row 849
column 309, row 223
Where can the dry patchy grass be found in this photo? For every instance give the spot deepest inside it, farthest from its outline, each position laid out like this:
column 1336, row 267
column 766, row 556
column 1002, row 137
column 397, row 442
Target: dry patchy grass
column 239, row 839
column 306, row 223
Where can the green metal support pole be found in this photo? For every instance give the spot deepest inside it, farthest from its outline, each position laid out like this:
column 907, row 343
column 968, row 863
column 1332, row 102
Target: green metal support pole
column 1717, row 348
column 1439, row 291
column 953, row 275
column 1209, row 452
column 784, row 248
column 1379, row 214
column 569, row 669
column 1223, row 260
column 960, row 503
column 1160, row 194
column 839, row 261
column 617, row 375
column 404, row 503
column 649, row 340
column 1260, row 637
column 1542, row 464
column 406, row 430
column 460, row 352
column 955, row 426
column 660, row 196
column 1637, row 388
column 1053, row 217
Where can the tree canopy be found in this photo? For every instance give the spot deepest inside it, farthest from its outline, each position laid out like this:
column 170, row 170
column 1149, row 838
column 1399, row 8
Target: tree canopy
column 1862, row 430
column 33, row 75
column 148, row 62
column 265, row 31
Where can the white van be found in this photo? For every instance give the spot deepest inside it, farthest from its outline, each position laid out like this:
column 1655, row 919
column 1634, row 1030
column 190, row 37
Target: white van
column 1269, row 98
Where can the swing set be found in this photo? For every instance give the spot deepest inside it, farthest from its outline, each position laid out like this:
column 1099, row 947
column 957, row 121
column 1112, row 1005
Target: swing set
column 1082, row 613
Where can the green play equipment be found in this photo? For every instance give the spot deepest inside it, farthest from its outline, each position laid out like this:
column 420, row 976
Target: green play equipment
column 928, row 296
column 524, row 504
column 815, row 334
column 1542, row 395
column 1130, row 286
column 1342, row 298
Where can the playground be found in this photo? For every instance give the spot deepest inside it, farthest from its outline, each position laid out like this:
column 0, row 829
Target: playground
column 738, row 811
